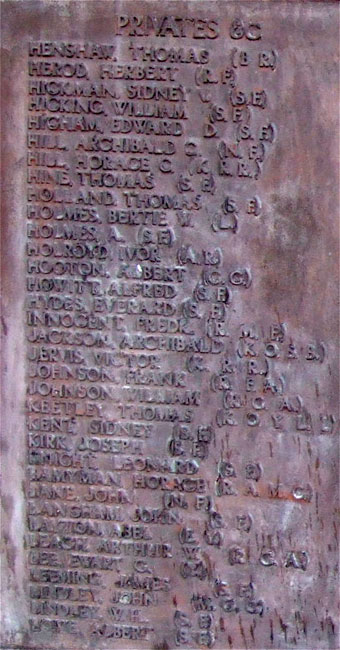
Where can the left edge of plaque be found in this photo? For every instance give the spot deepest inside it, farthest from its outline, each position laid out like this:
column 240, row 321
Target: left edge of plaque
column 13, row 449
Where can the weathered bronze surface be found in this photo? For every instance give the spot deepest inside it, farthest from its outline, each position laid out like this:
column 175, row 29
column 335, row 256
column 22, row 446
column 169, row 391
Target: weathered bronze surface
column 170, row 325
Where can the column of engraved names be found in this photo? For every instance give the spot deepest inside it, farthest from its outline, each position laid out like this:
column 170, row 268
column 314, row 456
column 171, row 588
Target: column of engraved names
column 70, row 263
column 75, row 496
column 148, row 379
column 80, row 456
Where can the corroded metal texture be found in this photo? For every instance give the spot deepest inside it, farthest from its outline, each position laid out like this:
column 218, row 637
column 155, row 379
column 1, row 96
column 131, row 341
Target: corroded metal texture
column 169, row 325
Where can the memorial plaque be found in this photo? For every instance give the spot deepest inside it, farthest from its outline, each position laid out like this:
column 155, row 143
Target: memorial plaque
column 169, row 323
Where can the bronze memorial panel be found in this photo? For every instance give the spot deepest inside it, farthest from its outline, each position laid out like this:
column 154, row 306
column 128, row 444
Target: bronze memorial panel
column 170, row 266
